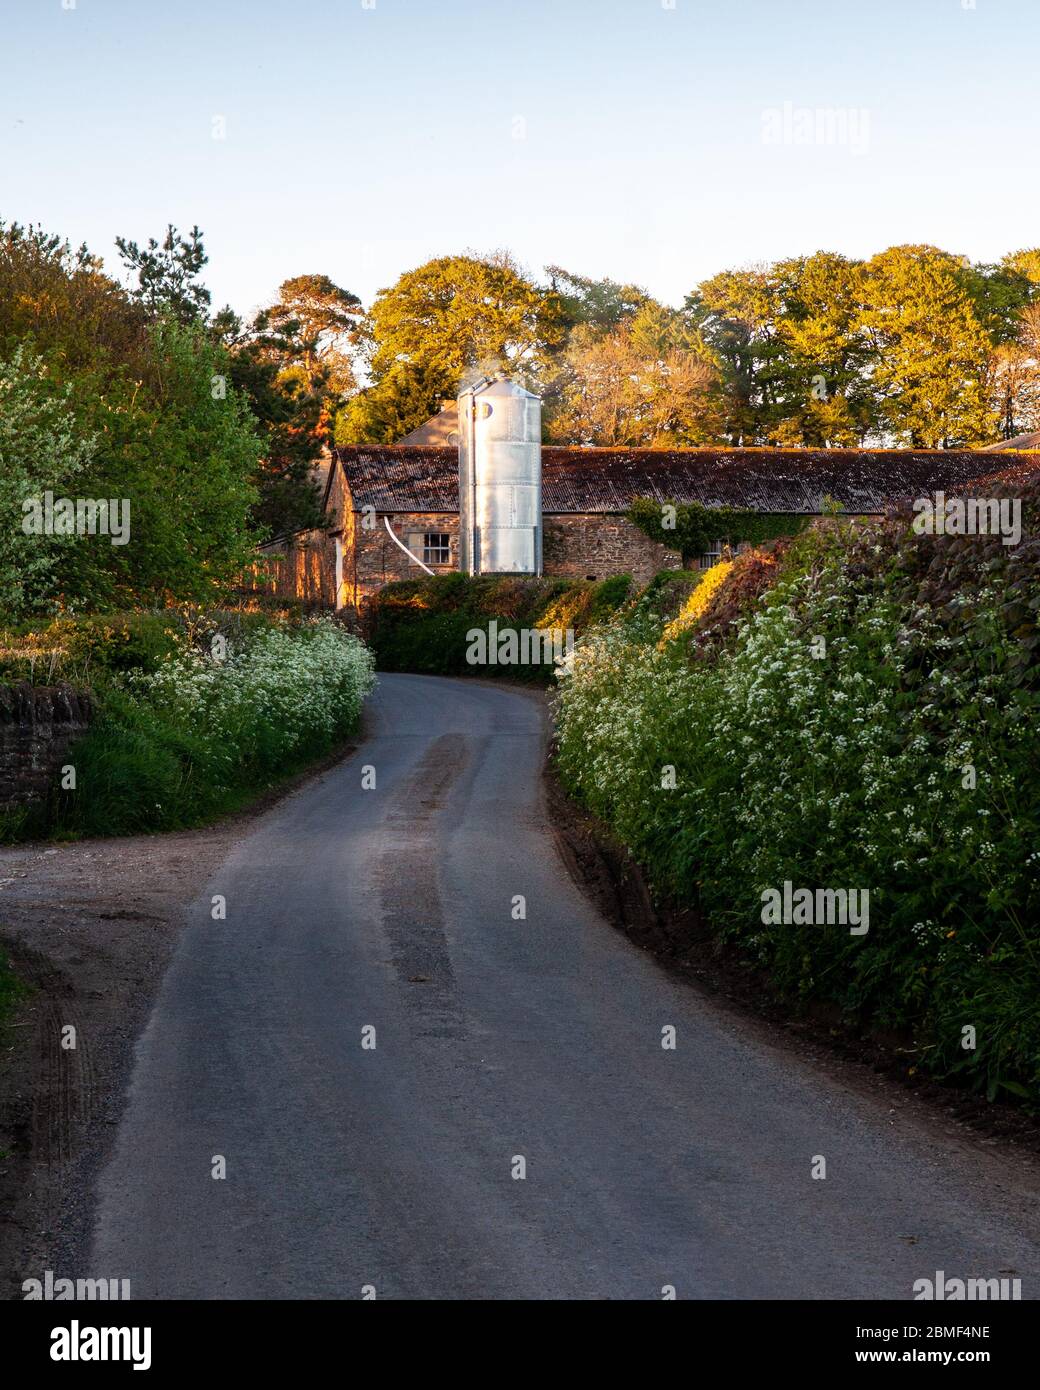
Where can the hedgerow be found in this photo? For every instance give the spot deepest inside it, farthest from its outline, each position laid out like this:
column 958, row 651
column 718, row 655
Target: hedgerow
column 898, row 754
column 423, row 625
column 181, row 740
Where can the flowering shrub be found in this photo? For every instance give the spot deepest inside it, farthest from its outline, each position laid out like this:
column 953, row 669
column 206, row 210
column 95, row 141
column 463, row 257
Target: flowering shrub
column 897, row 754
column 695, row 607
column 282, row 693
column 194, row 736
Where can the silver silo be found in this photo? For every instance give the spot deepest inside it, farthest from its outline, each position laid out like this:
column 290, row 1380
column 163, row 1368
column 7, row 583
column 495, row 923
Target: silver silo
column 500, row 479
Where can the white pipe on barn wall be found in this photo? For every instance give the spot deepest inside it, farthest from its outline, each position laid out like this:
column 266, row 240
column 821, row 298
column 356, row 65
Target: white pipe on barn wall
column 399, row 542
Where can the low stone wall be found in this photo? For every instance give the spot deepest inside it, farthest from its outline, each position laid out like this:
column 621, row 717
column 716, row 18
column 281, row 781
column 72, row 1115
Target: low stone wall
column 37, row 724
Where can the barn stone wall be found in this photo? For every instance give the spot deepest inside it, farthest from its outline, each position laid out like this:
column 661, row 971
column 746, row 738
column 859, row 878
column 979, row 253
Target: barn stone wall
column 379, row 561
column 598, row 545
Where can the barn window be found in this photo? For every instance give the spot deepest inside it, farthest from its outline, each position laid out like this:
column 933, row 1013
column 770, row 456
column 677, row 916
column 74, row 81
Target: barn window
column 711, row 556
column 436, row 548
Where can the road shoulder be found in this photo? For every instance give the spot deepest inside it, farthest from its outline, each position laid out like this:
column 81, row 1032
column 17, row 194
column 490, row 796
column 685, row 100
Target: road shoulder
column 89, row 927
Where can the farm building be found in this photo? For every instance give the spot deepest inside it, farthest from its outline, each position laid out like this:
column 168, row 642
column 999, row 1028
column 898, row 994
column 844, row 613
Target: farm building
column 585, row 495
column 394, row 510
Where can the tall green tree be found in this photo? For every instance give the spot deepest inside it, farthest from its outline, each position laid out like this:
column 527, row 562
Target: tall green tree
column 453, row 315
column 735, row 313
column 820, row 396
column 294, row 363
column 599, row 305
column 929, row 349
column 167, row 274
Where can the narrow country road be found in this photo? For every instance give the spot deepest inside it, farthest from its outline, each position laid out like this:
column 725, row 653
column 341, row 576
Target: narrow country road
column 496, row 1039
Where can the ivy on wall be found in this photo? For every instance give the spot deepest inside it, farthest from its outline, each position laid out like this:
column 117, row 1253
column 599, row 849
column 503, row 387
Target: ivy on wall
column 692, row 529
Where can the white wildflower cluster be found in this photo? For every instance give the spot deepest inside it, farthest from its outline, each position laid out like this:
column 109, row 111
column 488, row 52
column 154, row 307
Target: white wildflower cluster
column 295, row 685
column 789, row 766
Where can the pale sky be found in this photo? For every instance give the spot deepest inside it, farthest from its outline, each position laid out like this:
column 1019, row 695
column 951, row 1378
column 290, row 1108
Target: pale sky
column 621, row 138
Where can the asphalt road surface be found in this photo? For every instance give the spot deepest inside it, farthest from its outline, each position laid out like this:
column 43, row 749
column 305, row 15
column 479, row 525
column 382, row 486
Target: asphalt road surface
column 497, row 1040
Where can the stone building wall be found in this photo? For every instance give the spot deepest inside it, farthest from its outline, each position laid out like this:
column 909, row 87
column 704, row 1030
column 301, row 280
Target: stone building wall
column 378, row 561
column 303, row 568
column 37, row 725
column 597, row 545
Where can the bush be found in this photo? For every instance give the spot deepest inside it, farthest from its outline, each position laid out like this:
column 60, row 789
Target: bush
column 190, row 738
column 899, row 756
column 423, row 624
column 88, row 649
column 41, row 449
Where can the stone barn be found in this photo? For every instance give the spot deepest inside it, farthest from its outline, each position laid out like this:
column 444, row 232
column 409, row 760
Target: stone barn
column 413, row 492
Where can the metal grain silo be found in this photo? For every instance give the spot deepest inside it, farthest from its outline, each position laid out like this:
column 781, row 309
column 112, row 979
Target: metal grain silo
column 500, row 479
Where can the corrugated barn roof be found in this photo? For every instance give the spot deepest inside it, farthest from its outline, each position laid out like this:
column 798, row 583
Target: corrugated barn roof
column 397, row 478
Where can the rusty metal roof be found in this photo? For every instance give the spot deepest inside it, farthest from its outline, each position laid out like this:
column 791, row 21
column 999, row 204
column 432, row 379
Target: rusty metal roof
column 397, row 478
column 1024, row 469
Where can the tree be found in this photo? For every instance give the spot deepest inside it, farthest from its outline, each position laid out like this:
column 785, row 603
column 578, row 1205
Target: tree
column 184, row 450
column 289, row 417
column 649, row 382
column 452, row 315
column 60, row 300
column 41, row 449
column 167, row 274
column 820, row 396
column 1014, row 377
column 315, row 324
column 600, row 305
column 293, row 362
column 929, row 349
column 735, row 315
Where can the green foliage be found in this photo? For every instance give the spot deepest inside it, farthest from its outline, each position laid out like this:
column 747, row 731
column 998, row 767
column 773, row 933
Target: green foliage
column 903, row 760
column 167, row 274
column 293, row 363
column 185, row 457
column 451, row 315
column 126, row 404
column 59, row 303
column 40, row 450
column 822, row 350
column 697, row 527
column 602, row 305
column 423, row 624
column 181, row 739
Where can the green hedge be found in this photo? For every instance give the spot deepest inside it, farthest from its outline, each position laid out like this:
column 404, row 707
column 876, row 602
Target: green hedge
column 180, row 740
column 900, row 756
column 423, row 625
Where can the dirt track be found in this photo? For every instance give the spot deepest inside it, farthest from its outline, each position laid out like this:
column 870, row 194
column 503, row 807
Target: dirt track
column 90, row 927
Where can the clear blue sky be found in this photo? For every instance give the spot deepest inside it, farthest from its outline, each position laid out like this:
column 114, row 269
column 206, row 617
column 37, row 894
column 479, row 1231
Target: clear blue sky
column 361, row 141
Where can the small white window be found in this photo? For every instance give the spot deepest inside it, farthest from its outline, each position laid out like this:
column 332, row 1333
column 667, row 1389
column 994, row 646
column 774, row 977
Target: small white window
column 436, row 548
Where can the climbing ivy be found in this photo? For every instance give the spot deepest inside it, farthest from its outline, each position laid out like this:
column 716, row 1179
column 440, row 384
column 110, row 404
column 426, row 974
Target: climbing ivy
column 691, row 528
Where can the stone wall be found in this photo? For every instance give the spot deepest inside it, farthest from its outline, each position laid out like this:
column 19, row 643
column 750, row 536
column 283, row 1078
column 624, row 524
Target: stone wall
column 343, row 567
column 375, row 560
column 579, row 546
column 37, row 725
column 587, row 545
column 303, row 568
